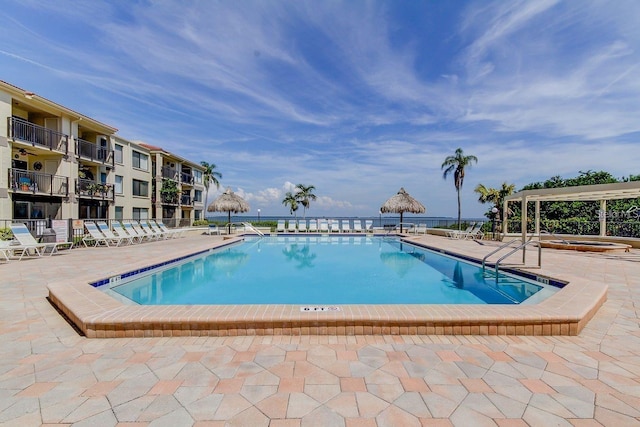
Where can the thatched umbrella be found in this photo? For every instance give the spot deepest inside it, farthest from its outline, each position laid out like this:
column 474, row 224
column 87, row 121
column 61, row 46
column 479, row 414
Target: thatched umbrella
column 401, row 203
column 229, row 202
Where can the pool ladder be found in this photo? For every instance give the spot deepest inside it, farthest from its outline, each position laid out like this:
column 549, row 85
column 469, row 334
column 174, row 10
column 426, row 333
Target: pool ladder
column 247, row 226
column 522, row 246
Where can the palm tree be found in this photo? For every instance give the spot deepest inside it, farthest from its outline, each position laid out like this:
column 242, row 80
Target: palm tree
column 495, row 195
column 304, row 196
column 456, row 164
column 209, row 176
column 291, row 200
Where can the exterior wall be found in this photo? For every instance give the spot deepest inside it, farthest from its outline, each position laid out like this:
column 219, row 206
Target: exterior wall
column 127, row 201
column 5, row 156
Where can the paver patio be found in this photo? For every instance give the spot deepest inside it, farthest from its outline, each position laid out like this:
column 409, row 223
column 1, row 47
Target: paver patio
column 51, row 375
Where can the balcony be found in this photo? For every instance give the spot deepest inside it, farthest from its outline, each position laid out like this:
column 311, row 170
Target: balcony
column 170, row 173
column 186, row 200
column 23, row 181
column 37, row 136
column 186, row 178
column 94, row 153
column 88, row 188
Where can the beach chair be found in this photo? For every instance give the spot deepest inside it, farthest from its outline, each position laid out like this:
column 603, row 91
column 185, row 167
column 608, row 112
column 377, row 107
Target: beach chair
column 10, row 248
column 345, row 227
column 121, row 232
column 357, row 226
column 133, row 231
column 313, row 226
column 213, row 229
column 292, row 226
column 152, row 234
column 156, row 229
column 420, row 229
column 280, row 226
column 302, row 226
column 368, row 226
column 324, row 226
column 458, row 234
column 106, row 231
column 25, row 239
column 475, row 233
column 172, row 232
column 335, row 226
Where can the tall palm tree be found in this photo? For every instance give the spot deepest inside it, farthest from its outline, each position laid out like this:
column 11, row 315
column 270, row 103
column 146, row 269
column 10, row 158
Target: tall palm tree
column 291, row 200
column 305, row 195
column 456, row 164
column 495, row 195
column 209, row 176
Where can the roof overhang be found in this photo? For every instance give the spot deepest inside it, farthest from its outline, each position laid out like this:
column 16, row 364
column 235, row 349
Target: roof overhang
column 596, row 192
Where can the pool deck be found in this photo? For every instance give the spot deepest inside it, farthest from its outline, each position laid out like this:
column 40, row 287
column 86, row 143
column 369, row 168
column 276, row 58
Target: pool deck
column 52, row 375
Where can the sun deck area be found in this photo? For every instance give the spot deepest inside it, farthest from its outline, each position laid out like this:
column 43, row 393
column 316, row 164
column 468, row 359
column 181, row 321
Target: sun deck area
column 53, row 375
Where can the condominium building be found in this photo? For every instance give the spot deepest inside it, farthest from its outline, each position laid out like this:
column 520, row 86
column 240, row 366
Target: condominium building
column 56, row 163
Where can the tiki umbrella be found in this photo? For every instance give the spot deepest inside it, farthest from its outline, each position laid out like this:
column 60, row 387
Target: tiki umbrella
column 401, row 203
column 229, row 202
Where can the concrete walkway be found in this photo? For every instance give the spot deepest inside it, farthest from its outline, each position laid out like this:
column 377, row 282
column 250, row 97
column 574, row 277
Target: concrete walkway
column 51, row 375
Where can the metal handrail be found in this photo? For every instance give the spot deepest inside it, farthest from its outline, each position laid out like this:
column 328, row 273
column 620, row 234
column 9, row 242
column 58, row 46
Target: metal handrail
column 522, row 246
column 554, row 235
column 245, row 225
column 501, row 247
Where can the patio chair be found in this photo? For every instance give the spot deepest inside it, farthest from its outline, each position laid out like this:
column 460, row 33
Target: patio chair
column 154, row 227
column 122, row 233
column 475, row 233
column 313, row 226
column 345, row 227
column 172, row 232
column 302, row 226
column 213, row 229
column 138, row 234
column 27, row 241
column 145, row 230
column 324, row 226
column 357, row 226
column 420, row 229
column 280, row 226
column 335, row 226
column 457, row 234
column 368, row 226
column 106, row 231
column 292, row 227
column 95, row 236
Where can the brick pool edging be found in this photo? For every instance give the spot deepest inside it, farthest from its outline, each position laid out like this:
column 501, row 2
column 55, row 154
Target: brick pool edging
column 98, row 315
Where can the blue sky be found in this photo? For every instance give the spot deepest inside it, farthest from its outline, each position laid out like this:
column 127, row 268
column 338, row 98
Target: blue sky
column 356, row 98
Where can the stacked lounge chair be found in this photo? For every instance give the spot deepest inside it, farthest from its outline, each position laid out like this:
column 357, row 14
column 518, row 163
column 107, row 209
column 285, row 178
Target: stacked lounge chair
column 27, row 242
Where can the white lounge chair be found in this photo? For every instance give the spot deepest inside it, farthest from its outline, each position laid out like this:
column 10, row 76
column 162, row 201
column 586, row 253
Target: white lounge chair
column 313, row 226
column 345, row 227
column 152, row 234
column 134, row 231
column 420, row 229
column 368, row 226
column 324, row 226
column 302, row 226
column 475, row 233
column 11, row 248
column 213, row 229
column 335, row 226
column 292, row 226
column 357, row 226
column 106, row 231
column 156, row 229
column 24, row 237
column 173, row 232
column 121, row 232
column 459, row 234
column 280, row 226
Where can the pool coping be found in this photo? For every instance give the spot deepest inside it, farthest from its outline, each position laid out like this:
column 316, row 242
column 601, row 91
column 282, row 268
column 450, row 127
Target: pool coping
column 98, row 315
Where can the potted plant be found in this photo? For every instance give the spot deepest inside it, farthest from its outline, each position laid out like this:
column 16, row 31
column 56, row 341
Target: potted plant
column 169, row 191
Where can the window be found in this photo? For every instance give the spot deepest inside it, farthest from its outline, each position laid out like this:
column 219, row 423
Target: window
column 140, row 188
column 140, row 160
column 198, row 215
column 197, row 196
column 119, row 157
column 118, row 186
column 140, row 213
column 119, row 213
column 103, row 178
column 197, row 176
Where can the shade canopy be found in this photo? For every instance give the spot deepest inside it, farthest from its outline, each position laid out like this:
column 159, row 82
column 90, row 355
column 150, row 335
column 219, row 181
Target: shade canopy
column 401, row 203
column 229, row 202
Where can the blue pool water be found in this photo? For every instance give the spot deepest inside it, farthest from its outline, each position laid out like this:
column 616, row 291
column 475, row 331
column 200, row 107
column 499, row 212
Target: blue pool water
column 325, row 270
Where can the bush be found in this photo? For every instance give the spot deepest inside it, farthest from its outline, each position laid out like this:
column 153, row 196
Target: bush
column 200, row 222
column 6, row 234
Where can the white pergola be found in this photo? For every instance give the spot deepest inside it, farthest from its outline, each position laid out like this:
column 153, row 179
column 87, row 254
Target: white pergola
column 597, row 192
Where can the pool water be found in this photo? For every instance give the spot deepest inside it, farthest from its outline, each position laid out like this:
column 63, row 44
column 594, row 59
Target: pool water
column 325, row 270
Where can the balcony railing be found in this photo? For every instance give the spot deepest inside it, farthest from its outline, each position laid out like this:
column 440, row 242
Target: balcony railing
column 186, row 178
column 93, row 152
column 38, row 136
column 169, row 200
column 38, row 183
column 168, row 172
column 186, row 200
column 94, row 189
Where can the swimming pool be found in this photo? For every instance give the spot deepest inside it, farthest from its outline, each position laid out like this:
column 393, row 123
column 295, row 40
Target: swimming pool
column 324, row 270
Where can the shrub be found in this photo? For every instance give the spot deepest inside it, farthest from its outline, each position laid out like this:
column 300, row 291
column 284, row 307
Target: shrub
column 6, row 234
